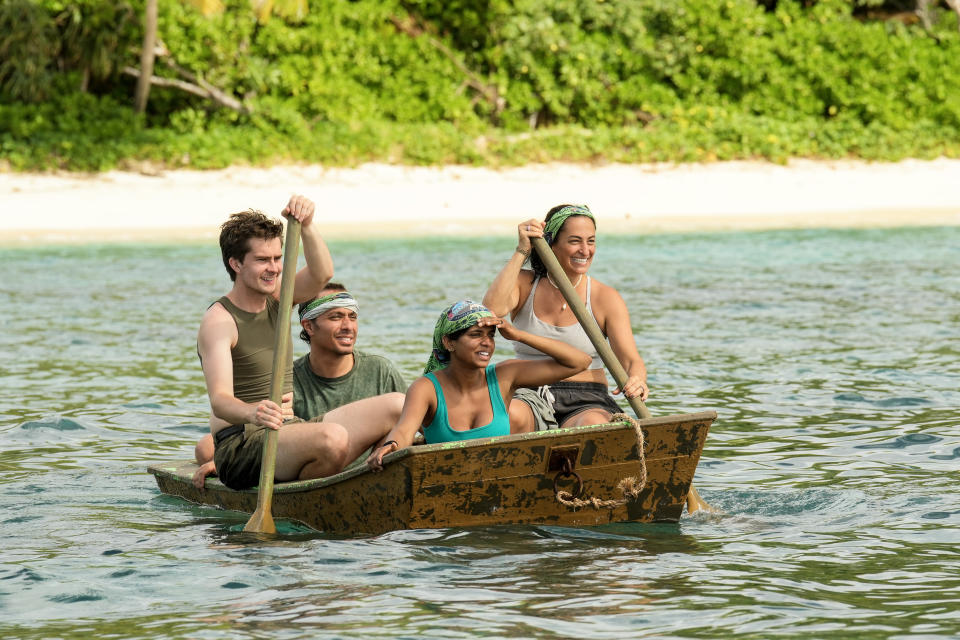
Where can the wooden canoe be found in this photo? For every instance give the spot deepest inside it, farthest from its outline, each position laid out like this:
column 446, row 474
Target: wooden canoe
column 487, row 481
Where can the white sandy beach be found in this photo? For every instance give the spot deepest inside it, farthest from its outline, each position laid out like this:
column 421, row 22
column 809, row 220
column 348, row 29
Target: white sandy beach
column 389, row 200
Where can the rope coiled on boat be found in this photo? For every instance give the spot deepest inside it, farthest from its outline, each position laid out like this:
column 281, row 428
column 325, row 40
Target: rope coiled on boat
column 630, row 486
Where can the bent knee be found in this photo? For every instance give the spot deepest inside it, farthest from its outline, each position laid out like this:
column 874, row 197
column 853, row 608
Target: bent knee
column 203, row 451
column 331, row 444
column 521, row 417
column 395, row 402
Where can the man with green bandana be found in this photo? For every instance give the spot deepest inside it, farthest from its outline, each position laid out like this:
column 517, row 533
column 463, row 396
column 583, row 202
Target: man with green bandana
column 335, row 381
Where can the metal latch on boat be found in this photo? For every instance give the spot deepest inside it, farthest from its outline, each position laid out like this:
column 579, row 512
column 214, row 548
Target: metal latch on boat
column 564, row 460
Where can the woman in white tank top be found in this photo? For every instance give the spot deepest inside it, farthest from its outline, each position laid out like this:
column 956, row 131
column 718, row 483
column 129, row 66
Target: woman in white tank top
column 536, row 305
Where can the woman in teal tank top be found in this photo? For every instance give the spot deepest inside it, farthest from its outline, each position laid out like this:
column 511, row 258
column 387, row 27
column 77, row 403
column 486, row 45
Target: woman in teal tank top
column 463, row 395
column 439, row 429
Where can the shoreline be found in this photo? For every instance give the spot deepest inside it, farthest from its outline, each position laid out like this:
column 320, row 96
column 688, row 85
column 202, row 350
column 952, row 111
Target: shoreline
column 376, row 200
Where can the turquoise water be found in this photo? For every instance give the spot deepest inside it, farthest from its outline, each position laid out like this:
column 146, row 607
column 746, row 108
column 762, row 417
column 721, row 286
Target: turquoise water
column 832, row 358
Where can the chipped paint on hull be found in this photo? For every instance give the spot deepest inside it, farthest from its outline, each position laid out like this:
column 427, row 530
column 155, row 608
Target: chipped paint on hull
column 487, row 481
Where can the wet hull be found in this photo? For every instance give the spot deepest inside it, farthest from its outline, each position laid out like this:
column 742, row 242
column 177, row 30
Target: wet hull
column 489, row 481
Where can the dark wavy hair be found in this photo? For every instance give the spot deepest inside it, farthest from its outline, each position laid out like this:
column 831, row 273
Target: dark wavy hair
column 535, row 262
column 236, row 232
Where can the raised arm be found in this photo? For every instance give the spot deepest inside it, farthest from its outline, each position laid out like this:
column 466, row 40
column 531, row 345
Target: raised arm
column 566, row 360
column 419, row 402
column 503, row 295
column 619, row 330
column 218, row 333
column 312, row 278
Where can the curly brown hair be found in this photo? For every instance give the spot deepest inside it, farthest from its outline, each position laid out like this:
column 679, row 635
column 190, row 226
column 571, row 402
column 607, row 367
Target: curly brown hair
column 236, row 232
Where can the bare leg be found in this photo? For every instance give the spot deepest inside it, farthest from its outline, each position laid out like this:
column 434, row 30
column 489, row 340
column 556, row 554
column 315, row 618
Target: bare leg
column 590, row 416
column 203, row 452
column 367, row 421
column 521, row 417
column 308, row 450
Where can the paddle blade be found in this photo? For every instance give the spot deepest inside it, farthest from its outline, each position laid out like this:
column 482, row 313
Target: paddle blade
column 696, row 503
column 260, row 522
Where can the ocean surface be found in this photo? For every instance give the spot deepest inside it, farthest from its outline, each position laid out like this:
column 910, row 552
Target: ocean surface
column 831, row 357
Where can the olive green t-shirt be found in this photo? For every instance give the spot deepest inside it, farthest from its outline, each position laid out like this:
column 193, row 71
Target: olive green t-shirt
column 371, row 375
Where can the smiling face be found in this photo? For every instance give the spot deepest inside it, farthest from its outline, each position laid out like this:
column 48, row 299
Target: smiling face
column 474, row 347
column 575, row 245
column 334, row 332
column 260, row 268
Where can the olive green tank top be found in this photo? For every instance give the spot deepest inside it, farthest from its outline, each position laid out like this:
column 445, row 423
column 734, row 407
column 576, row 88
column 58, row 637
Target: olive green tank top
column 253, row 355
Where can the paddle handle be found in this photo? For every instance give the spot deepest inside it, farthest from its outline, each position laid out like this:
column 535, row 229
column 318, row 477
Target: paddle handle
column 281, row 342
column 262, row 520
column 588, row 322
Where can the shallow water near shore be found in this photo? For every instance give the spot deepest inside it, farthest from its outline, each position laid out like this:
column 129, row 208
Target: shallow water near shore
column 831, row 357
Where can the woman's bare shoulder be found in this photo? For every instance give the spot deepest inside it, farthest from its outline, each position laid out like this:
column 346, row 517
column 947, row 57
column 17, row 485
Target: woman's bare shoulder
column 605, row 298
column 526, row 277
column 524, row 284
column 603, row 291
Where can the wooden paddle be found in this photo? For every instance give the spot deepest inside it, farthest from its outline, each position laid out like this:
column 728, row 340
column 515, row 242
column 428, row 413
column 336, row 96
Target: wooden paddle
column 262, row 519
column 592, row 329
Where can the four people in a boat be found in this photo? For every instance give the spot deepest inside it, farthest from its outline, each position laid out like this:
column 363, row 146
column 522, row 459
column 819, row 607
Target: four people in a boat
column 352, row 399
column 334, row 381
column 536, row 305
column 235, row 345
column 462, row 394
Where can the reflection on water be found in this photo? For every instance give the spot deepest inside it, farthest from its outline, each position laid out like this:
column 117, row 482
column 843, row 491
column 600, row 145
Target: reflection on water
column 830, row 356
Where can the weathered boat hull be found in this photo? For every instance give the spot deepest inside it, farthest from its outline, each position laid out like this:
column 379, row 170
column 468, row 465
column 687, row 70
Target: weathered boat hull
column 487, row 481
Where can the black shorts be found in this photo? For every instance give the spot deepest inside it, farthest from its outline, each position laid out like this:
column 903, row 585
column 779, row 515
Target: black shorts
column 571, row 398
column 238, row 454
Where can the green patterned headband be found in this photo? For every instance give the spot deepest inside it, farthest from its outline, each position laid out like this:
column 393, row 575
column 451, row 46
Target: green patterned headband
column 319, row 306
column 459, row 315
column 556, row 221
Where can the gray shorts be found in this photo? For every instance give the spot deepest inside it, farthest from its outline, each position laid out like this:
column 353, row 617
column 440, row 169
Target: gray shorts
column 571, row 398
column 543, row 415
column 555, row 404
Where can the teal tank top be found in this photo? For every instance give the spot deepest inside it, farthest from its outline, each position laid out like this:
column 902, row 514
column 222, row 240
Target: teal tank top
column 439, row 429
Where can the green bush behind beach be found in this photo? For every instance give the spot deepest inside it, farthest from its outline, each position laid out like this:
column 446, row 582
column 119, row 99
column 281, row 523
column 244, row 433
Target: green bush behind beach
column 492, row 82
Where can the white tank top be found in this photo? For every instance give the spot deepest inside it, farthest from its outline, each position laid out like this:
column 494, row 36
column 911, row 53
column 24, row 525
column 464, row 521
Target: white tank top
column 574, row 335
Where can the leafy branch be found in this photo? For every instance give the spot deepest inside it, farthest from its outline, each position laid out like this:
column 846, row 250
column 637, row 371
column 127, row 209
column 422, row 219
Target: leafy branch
column 489, row 92
column 188, row 82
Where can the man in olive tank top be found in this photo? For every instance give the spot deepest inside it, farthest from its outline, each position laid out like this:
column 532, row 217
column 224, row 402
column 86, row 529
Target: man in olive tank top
column 334, row 382
column 235, row 344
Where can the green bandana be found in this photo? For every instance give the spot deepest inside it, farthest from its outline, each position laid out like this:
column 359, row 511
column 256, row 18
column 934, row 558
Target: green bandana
column 319, row 306
column 459, row 315
column 556, row 220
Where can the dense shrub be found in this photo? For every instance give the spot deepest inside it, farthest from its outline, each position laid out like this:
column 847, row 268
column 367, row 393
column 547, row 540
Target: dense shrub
column 479, row 81
column 42, row 40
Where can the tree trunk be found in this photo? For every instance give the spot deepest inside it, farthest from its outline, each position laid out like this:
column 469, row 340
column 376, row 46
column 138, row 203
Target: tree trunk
column 147, row 55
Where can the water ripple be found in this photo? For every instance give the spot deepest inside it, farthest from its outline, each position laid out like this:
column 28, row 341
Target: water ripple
column 830, row 356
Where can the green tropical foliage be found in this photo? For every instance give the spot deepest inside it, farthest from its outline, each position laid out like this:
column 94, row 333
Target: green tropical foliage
column 482, row 81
